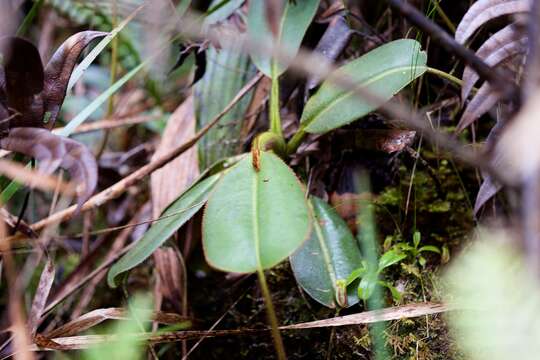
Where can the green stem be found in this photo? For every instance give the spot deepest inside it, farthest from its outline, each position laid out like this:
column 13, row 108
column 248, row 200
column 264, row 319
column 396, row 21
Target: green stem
column 296, row 141
column 272, row 318
column 445, row 75
column 444, row 17
column 275, row 118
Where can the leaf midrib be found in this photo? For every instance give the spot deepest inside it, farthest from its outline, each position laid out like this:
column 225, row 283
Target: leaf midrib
column 325, row 251
column 346, row 94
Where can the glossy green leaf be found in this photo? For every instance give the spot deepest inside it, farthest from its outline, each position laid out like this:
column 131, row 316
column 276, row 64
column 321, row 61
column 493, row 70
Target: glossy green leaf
column 367, row 285
column 296, row 18
column 331, row 254
column 255, row 219
column 383, row 72
column 390, row 258
column 430, row 248
column 176, row 215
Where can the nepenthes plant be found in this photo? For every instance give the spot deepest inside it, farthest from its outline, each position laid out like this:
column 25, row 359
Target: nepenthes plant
column 31, row 96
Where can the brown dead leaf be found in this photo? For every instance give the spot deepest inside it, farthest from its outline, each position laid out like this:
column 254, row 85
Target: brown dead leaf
column 170, row 181
column 98, row 316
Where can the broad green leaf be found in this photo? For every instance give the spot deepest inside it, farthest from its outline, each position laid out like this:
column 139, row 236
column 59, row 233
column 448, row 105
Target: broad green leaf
column 296, row 18
column 255, row 219
column 330, row 254
column 176, row 215
column 390, row 258
column 367, row 285
column 383, row 72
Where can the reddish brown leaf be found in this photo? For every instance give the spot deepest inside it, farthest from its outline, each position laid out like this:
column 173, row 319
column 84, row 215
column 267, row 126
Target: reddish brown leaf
column 98, row 316
column 59, row 69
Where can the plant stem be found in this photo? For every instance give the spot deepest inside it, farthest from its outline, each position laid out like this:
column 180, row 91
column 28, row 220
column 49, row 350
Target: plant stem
column 296, row 141
column 445, row 75
column 275, row 118
column 449, row 24
column 271, row 314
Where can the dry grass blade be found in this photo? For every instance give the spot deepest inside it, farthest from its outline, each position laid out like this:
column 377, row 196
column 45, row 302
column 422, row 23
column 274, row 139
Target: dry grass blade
column 368, row 317
column 485, row 10
column 480, row 104
column 504, row 42
column 34, row 179
column 42, row 294
column 98, row 316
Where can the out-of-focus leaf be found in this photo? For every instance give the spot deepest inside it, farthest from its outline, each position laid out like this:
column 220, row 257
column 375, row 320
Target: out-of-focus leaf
column 383, row 71
column 174, row 217
column 53, row 151
column 500, row 298
column 227, row 71
column 296, row 17
column 333, row 42
column 494, row 43
column 126, row 346
column 488, row 189
column 329, row 255
column 255, row 219
column 221, row 10
column 483, row 11
column 484, row 99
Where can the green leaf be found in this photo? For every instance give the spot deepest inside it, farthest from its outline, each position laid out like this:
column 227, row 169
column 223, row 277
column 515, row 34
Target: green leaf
column 296, row 18
column 390, row 258
column 416, row 238
column 367, row 286
column 430, row 248
column 396, row 295
column 227, row 71
column 176, row 215
column 330, row 255
column 357, row 273
column 255, row 219
column 383, row 72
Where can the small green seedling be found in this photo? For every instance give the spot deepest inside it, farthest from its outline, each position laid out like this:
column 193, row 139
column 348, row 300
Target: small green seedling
column 369, row 277
column 415, row 251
